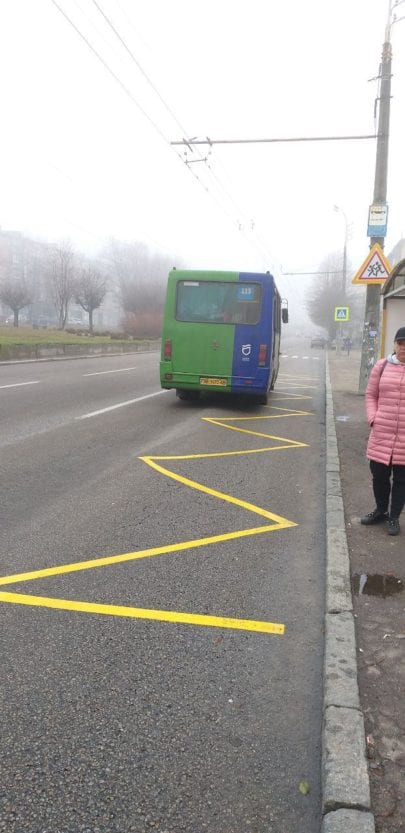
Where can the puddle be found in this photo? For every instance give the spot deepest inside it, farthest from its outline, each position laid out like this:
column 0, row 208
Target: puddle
column 375, row 585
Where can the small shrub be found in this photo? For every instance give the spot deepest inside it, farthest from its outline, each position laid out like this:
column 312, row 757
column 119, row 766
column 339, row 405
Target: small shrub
column 119, row 336
column 143, row 325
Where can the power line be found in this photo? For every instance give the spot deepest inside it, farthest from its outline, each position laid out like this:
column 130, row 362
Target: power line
column 187, row 142
column 92, row 24
column 118, row 80
column 155, row 90
column 155, row 126
column 208, row 141
column 313, row 273
column 136, row 62
column 108, row 68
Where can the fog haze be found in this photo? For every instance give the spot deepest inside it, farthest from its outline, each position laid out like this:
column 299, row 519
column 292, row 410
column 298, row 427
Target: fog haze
column 84, row 159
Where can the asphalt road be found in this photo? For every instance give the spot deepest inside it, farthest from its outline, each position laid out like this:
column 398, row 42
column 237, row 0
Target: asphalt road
column 178, row 688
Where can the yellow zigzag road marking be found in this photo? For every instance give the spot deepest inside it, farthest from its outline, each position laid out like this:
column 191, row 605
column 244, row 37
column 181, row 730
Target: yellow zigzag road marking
column 109, row 560
column 278, row 522
column 289, row 443
column 145, row 613
column 281, row 522
column 286, row 412
column 226, row 453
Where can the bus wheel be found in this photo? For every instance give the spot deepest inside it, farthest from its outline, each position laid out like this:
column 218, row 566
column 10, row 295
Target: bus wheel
column 263, row 398
column 188, row 395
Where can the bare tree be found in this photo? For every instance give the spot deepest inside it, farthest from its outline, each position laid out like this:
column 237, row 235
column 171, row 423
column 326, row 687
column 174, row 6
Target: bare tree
column 325, row 293
column 141, row 276
column 90, row 291
column 16, row 295
column 61, row 278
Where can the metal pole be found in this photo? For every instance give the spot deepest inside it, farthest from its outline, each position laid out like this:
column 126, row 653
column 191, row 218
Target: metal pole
column 370, row 343
column 344, row 265
column 344, row 272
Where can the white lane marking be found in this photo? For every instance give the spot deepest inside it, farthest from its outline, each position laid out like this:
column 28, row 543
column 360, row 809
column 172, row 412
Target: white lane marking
column 117, row 370
column 287, row 356
column 18, row 385
column 120, row 405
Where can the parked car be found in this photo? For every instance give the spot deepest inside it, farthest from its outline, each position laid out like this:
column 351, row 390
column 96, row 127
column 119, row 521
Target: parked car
column 318, row 341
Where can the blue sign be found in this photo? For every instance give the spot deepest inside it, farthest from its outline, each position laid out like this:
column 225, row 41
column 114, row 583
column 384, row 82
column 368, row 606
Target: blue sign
column 377, row 220
column 341, row 313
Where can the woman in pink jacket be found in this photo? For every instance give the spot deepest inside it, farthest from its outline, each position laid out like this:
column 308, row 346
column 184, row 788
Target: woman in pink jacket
column 385, row 407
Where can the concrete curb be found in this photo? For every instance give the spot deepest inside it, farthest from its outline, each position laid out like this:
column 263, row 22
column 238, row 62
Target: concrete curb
column 345, row 780
column 99, row 354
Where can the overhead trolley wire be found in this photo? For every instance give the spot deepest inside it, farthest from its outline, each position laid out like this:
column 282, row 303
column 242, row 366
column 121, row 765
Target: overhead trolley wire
column 187, row 142
column 121, row 84
column 136, row 62
column 109, row 70
column 155, row 90
column 118, row 80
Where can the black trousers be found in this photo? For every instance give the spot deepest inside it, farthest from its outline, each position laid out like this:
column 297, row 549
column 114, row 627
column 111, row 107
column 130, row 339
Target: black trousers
column 382, row 487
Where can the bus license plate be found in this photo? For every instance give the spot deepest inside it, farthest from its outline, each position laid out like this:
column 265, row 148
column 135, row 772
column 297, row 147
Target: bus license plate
column 206, row 380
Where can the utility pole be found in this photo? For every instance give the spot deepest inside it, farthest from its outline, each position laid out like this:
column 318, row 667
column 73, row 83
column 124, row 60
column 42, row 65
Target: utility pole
column 370, row 342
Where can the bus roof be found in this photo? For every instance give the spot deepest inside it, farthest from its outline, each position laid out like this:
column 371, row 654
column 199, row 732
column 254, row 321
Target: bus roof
column 215, row 275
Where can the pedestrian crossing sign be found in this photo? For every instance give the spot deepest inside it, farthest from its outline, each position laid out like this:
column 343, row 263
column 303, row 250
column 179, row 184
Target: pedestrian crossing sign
column 341, row 313
column 375, row 268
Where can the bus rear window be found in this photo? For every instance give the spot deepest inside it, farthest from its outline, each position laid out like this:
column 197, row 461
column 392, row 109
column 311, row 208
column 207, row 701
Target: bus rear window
column 217, row 302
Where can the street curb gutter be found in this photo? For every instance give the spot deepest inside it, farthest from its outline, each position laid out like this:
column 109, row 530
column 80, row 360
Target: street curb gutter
column 346, row 806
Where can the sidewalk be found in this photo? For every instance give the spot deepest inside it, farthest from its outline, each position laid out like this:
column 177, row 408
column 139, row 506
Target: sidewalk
column 377, row 566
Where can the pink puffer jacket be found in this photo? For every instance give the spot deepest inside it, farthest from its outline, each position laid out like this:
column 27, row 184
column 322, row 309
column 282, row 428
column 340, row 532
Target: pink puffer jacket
column 385, row 407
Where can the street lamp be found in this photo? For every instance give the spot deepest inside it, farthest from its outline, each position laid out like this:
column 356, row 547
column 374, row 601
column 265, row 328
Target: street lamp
column 344, row 269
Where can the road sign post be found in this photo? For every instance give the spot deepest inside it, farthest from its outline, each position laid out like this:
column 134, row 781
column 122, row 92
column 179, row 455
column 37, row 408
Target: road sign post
column 370, row 347
column 342, row 314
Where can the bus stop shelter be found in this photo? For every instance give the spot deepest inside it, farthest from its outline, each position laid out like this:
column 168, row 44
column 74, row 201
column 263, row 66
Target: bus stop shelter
column 393, row 301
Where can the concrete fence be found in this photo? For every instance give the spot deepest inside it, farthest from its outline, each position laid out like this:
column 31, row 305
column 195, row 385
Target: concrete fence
column 37, row 351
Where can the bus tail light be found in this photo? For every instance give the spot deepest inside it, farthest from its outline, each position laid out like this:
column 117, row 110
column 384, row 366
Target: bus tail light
column 167, row 350
column 262, row 355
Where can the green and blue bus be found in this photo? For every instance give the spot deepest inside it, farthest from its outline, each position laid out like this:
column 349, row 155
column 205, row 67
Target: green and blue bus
column 221, row 332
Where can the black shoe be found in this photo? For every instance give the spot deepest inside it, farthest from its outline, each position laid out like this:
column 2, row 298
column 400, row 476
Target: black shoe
column 393, row 526
column 374, row 517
